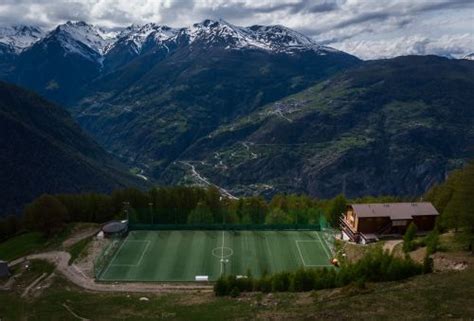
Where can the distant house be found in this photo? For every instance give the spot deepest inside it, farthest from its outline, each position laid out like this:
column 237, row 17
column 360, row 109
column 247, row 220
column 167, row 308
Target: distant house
column 364, row 223
column 4, row 270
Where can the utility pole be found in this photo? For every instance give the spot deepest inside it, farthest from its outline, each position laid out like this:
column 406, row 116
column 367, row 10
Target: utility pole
column 151, row 212
column 125, row 206
column 223, row 212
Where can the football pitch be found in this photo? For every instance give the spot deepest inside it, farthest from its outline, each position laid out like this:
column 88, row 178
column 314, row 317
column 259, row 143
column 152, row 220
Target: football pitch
column 183, row 255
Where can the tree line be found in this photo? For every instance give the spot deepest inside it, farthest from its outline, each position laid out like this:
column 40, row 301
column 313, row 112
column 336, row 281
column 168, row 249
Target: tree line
column 376, row 266
column 174, row 205
column 454, row 199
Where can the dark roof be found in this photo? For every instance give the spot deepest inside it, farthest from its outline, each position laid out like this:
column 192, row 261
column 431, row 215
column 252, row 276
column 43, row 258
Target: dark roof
column 114, row 227
column 396, row 211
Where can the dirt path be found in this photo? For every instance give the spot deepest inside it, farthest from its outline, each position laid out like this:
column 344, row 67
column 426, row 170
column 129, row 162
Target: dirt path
column 206, row 182
column 33, row 284
column 75, row 275
column 79, row 236
column 73, row 313
column 390, row 245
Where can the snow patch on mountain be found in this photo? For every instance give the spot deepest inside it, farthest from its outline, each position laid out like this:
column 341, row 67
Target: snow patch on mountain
column 469, row 57
column 94, row 43
column 18, row 38
column 91, row 36
column 136, row 36
column 271, row 38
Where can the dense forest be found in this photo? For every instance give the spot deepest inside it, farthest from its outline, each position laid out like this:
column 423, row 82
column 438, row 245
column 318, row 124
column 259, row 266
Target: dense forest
column 174, row 205
column 454, row 199
column 194, row 205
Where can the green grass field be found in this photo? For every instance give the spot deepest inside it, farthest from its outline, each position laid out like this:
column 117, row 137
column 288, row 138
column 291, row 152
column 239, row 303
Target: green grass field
column 182, row 255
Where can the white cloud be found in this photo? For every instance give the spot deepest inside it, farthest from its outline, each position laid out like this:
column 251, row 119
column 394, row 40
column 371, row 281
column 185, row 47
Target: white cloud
column 351, row 24
column 452, row 45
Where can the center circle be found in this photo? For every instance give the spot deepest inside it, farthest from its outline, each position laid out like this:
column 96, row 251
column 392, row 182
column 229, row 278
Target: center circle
column 222, row 252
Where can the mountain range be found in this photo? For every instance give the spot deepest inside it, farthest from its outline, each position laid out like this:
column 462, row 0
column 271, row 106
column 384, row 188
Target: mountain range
column 259, row 109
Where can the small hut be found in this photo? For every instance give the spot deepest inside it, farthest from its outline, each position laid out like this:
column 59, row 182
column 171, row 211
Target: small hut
column 4, row 270
column 115, row 228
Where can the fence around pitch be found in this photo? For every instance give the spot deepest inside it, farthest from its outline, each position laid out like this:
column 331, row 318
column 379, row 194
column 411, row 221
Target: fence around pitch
column 102, row 261
column 226, row 227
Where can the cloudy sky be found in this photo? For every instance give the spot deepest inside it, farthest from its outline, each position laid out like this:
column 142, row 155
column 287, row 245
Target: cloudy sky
column 366, row 28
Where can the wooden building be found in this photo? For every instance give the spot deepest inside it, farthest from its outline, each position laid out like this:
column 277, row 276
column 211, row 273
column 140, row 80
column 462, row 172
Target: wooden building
column 364, row 223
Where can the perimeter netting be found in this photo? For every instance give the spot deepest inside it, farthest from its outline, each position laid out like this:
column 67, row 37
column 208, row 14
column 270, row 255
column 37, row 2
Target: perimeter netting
column 106, row 255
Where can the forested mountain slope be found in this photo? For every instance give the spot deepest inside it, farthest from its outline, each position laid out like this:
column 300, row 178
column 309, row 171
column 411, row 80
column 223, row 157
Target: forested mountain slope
column 42, row 150
column 386, row 127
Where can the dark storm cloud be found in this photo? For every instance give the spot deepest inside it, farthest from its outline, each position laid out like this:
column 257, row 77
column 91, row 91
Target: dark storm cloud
column 363, row 18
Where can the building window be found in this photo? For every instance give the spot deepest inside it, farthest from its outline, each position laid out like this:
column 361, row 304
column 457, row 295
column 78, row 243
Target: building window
column 399, row 223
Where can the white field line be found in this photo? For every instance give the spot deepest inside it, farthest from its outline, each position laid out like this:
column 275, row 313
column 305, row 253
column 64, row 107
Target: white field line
column 301, row 254
column 222, row 251
column 269, row 251
column 324, row 246
column 141, row 256
column 299, row 251
column 113, row 259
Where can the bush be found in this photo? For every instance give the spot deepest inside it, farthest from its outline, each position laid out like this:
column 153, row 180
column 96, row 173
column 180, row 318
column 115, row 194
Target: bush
column 409, row 237
column 281, row 282
column 375, row 266
column 46, row 214
column 302, row 280
column 360, row 284
column 235, row 292
column 221, row 287
column 264, row 284
column 432, row 242
column 427, row 264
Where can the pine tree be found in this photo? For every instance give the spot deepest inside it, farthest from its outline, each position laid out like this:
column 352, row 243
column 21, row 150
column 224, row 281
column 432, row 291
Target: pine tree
column 46, row 214
column 461, row 204
column 200, row 215
column 277, row 216
column 335, row 208
column 409, row 237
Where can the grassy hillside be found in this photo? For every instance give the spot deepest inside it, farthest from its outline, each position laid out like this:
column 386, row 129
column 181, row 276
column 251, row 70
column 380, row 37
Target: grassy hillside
column 437, row 297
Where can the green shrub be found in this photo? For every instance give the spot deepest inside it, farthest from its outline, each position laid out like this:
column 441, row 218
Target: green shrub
column 360, row 284
column 221, row 287
column 302, row 280
column 432, row 242
column 376, row 266
column 409, row 237
column 427, row 264
column 280, row 282
column 235, row 292
column 264, row 284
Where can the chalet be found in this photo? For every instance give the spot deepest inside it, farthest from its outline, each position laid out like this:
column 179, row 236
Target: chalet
column 364, row 223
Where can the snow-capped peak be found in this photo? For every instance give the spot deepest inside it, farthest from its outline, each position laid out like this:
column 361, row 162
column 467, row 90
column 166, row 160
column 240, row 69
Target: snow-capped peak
column 280, row 37
column 17, row 38
column 91, row 36
column 271, row 38
column 137, row 36
column 94, row 42
column 469, row 56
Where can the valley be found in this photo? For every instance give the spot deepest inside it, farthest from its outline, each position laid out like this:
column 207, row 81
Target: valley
column 253, row 110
